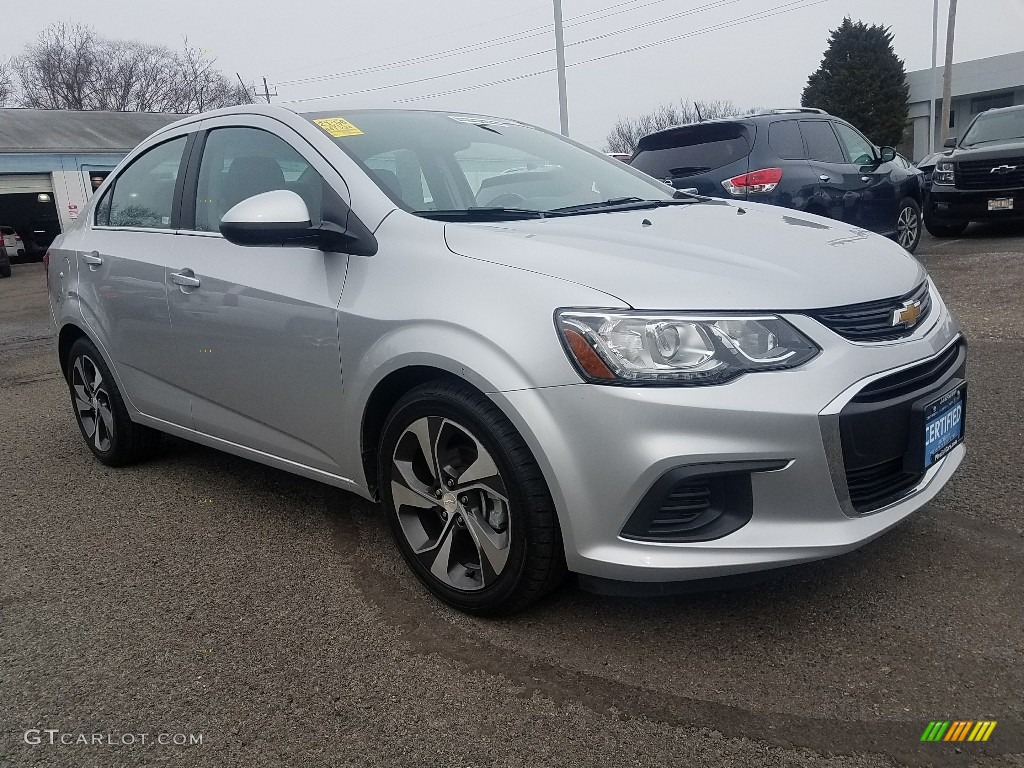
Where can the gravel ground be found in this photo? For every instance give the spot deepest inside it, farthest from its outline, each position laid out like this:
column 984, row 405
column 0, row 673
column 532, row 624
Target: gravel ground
column 203, row 595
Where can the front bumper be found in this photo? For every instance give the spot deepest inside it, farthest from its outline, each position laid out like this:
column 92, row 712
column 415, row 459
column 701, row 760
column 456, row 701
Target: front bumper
column 603, row 448
column 948, row 204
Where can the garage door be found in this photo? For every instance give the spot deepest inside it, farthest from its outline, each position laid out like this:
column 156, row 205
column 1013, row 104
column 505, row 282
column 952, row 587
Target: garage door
column 25, row 182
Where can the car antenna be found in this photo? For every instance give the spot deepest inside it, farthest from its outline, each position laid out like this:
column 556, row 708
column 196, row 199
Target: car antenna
column 700, row 118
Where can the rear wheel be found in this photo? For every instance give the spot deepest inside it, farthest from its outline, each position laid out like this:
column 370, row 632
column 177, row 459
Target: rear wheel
column 944, row 229
column 466, row 501
column 908, row 224
column 100, row 411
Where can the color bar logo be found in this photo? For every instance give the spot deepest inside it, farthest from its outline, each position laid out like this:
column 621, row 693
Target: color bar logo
column 958, row 730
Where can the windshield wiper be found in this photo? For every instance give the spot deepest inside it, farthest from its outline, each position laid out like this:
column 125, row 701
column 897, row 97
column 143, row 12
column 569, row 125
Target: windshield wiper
column 482, row 214
column 620, row 204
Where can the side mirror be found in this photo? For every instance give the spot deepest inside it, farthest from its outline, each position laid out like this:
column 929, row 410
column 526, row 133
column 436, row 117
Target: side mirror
column 281, row 218
column 950, row 143
column 888, row 154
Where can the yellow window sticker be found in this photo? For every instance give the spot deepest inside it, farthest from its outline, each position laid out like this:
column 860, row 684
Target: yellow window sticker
column 338, row 127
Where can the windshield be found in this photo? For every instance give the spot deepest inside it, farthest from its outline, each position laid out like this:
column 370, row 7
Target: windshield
column 996, row 126
column 439, row 162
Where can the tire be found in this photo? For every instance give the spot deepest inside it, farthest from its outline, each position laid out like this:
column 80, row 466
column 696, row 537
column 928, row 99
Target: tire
column 100, row 411
column 5, row 270
column 944, row 229
column 908, row 224
column 488, row 544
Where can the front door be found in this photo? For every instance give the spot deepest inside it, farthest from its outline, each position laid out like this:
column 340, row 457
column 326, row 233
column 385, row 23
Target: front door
column 257, row 326
column 839, row 181
column 878, row 190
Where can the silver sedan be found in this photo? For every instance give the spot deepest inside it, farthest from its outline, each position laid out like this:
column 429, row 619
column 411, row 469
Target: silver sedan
column 537, row 359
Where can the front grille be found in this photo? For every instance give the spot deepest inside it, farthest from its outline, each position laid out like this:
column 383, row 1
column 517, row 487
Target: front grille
column 875, row 427
column 977, row 174
column 875, row 486
column 680, row 509
column 915, row 379
column 872, row 320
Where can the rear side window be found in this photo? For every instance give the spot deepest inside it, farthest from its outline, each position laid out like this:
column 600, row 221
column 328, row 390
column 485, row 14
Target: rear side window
column 821, row 141
column 784, row 140
column 692, row 150
column 143, row 195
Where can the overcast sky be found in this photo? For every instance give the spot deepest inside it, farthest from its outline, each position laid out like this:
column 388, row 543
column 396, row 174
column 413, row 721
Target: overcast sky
column 721, row 53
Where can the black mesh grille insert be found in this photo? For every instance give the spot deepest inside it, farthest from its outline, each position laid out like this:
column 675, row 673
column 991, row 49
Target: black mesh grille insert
column 873, row 487
column 980, row 174
column 872, row 320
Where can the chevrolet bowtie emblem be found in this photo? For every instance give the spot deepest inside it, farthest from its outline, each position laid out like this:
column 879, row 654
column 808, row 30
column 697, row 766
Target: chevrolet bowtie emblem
column 907, row 315
column 1003, row 169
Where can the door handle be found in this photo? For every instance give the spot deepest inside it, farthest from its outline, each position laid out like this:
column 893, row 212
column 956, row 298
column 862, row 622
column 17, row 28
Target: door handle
column 93, row 259
column 186, row 278
column 825, row 177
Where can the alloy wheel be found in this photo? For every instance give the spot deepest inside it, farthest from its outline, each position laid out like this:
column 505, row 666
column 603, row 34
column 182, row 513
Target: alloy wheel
column 92, row 402
column 907, row 227
column 452, row 503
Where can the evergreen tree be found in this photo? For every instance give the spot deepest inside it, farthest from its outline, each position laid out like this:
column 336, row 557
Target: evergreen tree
column 863, row 81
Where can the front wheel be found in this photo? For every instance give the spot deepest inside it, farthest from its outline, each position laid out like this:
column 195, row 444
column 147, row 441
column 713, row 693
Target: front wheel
column 100, row 411
column 466, row 501
column 908, row 224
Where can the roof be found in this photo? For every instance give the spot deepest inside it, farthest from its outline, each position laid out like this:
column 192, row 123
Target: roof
column 70, row 131
column 995, row 73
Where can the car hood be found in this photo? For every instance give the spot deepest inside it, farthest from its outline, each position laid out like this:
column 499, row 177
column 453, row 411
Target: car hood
column 1004, row 149
column 702, row 256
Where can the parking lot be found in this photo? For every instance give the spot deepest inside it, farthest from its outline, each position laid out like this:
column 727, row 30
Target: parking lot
column 202, row 594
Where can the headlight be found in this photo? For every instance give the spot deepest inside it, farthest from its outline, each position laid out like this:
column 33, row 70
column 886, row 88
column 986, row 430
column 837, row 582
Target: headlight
column 943, row 173
column 679, row 349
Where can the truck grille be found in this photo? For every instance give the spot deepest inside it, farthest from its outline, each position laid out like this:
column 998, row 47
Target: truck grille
column 872, row 320
column 978, row 174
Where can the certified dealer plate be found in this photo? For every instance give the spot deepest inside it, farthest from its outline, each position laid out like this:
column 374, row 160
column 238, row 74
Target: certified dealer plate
column 1001, row 204
column 943, row 425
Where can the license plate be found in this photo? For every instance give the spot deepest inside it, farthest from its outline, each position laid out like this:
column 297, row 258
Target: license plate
column 1001, row 204
column 943, row 425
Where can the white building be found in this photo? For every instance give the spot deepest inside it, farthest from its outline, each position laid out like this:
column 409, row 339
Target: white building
column 997, row 81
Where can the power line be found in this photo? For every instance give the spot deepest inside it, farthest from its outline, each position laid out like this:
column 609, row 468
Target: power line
column 671, row 17
column 776, row 11
column 514, row 37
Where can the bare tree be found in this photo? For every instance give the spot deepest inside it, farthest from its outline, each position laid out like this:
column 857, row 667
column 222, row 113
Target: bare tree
column 69, row 66
column 6, row 83
column 628, row 131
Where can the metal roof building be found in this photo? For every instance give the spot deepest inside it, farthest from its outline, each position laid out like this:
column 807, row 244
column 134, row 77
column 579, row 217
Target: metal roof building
column 51, row 160
column 997, row 81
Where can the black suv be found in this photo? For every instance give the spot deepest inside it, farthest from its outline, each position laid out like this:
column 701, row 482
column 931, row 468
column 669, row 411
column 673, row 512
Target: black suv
column 983, row 178
column 796, row 158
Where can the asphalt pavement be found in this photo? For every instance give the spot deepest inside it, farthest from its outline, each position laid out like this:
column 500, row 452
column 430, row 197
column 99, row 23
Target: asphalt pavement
column 203, row 598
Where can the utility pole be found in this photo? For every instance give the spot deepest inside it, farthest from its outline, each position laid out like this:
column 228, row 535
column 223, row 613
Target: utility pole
column 266, row 89
column 932, row 89
column 947, row 75
column 563, row 106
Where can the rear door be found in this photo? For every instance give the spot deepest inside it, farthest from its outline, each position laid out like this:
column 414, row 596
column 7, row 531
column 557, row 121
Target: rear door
column 122, row 278
column 840, row 184
column 257, row 326
column 697, row 156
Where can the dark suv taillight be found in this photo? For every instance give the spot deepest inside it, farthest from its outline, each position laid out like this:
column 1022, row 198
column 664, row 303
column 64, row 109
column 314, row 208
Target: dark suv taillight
column 764, row 180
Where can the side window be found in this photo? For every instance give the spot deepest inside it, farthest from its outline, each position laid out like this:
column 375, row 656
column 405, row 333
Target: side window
column 858, row 149
column 241, row 162
column 143, row 194
column 103, row 209
column 821, row 141
column 784, row 140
